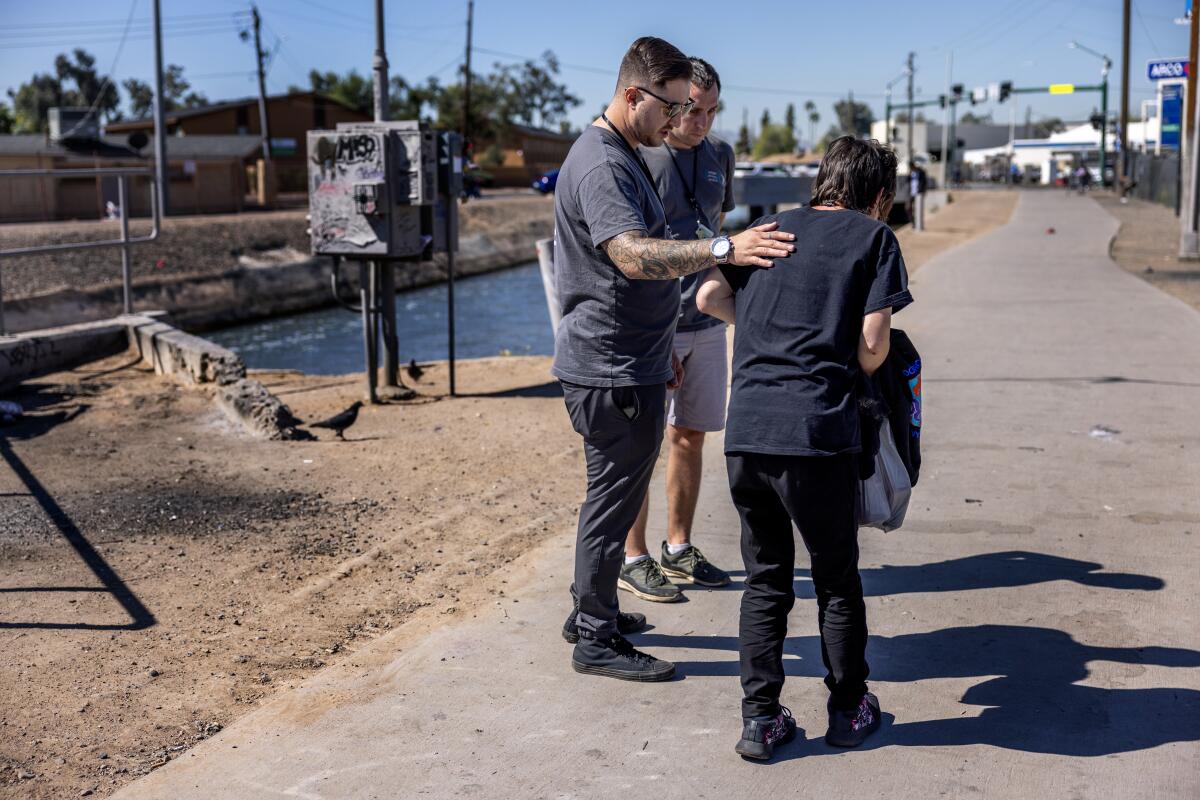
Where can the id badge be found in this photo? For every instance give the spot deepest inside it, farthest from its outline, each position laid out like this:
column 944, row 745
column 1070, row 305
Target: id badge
column 702, row 231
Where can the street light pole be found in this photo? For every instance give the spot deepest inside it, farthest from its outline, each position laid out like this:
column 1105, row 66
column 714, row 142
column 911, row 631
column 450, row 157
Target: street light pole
column 1103, row 103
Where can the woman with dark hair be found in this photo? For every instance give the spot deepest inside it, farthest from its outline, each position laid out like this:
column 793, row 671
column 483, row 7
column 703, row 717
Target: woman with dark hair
column 804, row 331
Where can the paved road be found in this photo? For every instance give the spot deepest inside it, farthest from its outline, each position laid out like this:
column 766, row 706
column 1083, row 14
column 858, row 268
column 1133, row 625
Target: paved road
column 1034, row 625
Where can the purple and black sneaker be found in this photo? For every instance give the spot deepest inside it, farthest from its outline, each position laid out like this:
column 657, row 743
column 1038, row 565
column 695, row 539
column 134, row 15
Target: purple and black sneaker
column 759, row 736
column 850, row 728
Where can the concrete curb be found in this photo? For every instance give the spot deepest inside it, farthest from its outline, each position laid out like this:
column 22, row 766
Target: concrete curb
column 36, row 353
column 198, row 361
column 170, row 351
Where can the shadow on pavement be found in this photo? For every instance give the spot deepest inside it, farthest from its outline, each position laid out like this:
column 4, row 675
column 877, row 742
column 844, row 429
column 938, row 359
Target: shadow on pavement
column 140, row 616
column 986, row 571
column 1031, row 700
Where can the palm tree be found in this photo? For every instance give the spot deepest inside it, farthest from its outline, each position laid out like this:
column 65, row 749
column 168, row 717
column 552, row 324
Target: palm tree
column 814, row 117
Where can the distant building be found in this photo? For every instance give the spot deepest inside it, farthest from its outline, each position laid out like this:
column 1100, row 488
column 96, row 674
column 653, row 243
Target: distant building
column 290, row 117
column 927, row 138
column 1052, row 157
column 206, row 174
column 526, row 153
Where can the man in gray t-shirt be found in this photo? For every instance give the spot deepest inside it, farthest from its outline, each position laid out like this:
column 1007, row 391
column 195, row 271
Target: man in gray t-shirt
column 616, row 275
column 693, row 172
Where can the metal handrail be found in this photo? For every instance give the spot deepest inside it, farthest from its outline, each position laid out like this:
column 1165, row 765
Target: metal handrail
column 122, row 174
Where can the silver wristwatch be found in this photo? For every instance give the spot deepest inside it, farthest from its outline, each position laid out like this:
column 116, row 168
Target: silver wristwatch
column 721, row 248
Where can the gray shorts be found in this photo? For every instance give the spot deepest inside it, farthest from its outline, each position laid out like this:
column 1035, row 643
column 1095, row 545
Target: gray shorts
column 699, row 403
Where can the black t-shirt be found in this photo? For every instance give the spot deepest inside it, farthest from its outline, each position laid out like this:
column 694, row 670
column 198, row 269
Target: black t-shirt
column 795, row 345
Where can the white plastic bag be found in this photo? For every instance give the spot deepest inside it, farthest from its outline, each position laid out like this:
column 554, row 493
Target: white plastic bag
column 883, row 497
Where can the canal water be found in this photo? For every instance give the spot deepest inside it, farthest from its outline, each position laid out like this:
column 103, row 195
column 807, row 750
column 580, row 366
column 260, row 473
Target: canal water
column 499, row 313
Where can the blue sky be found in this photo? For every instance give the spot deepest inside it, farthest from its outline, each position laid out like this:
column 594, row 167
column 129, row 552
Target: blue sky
column 768, row 53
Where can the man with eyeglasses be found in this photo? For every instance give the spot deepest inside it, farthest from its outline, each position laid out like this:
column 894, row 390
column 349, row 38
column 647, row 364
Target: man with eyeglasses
column 616, row 273
column 693, row 172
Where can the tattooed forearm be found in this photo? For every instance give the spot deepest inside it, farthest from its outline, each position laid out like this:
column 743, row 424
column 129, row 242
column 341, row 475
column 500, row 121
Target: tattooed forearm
column 643, row 258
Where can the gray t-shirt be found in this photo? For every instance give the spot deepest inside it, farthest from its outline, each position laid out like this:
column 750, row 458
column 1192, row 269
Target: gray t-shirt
column 707, row 170
column 614, row 331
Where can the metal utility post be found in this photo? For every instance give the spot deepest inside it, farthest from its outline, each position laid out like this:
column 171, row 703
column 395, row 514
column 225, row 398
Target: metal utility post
column 466, row 132
column 1189, row 239
column 379, row 66
column 1104, row 124
column 909, row 138
column 160, row 127
column 385, row 271
column 264, row 122
column 126, row 269
column 1123, row 133
column 946, row 122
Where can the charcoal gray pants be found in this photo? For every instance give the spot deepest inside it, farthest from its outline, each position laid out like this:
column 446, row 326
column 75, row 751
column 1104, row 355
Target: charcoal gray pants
column 622, row 429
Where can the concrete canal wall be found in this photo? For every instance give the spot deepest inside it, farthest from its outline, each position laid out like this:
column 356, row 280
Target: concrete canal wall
column 212, row 271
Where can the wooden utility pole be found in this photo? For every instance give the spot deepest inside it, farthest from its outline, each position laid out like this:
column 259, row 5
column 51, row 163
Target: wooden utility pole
column 263, row 120
column 1123, row 133
column 466, row 134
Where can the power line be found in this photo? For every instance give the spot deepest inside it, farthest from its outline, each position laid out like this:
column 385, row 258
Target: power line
column 104, row 84
column 75, row 42
column 62, row 26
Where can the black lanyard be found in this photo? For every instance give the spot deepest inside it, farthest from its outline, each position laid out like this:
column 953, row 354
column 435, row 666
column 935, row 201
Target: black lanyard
column 690, row 191
column 645, row 169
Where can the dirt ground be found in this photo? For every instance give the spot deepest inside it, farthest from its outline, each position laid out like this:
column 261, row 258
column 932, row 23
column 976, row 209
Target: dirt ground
column 249, row 563
column 1147, row 245
column 161, row 572
column 970, row 214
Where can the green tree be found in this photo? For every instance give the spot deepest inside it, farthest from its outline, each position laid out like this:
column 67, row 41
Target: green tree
column 7, row 122
column 175, row 93
column 531, row 94
column 971, row 118
column 744, row 144
column 853, row 118
column 773, row 140
column 352, row 88
column 74, row 82
column 411, row 102
column 789, row 117
column 765, row 122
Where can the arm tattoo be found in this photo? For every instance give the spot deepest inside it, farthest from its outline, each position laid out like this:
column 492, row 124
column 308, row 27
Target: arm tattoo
column 640, row 257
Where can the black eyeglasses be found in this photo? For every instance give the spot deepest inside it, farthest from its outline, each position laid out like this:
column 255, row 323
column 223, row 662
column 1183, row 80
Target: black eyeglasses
column 672, row 110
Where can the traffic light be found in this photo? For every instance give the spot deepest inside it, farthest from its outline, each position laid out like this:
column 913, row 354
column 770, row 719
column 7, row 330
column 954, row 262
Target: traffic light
column 1005, row 90
column 941, row 101
column 1097, row 120
column 957, row 91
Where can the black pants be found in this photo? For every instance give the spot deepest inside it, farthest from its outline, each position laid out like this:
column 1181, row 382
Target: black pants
column 622, row 430
column 819, row 495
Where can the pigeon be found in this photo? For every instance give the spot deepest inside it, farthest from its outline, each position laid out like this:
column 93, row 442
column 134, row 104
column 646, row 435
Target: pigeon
column 340, row 422
column 414, row 371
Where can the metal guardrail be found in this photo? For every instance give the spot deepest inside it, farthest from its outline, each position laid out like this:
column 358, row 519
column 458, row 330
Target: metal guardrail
column 122, row 175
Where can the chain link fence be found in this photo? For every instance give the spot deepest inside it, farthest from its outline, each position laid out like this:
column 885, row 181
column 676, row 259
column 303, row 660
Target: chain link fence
column 1156, row 178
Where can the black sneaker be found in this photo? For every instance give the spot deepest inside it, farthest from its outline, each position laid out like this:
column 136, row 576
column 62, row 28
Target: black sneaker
column 617, row 658
column 646, row 580
column 850, row 728
column 626, row 624
column 693, row 567
column 759, row 737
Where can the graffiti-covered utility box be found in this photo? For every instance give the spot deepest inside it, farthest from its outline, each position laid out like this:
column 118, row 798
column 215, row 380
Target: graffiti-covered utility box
column 372, row 189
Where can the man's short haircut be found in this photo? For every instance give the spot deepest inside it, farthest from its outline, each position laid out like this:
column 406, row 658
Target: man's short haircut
column 703, row 75
column 852, row 173
column 652, row 62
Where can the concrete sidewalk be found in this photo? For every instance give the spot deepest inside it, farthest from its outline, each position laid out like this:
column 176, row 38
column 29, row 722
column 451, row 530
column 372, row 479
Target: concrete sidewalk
column 1034, row 624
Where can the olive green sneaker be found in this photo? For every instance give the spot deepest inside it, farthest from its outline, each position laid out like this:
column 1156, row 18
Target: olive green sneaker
column 645, row 579
column 693, row 567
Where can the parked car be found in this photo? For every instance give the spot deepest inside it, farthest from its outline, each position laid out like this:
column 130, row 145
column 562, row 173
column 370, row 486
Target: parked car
column 546, row 183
